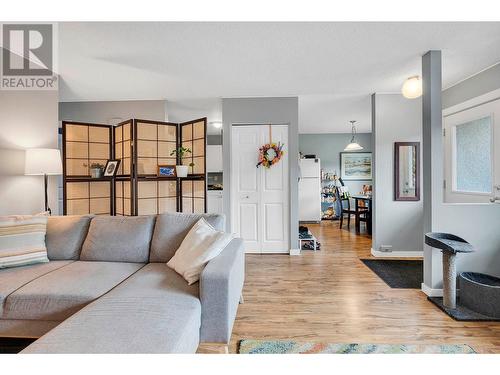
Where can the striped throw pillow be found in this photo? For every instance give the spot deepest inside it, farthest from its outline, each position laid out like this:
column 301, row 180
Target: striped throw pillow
column 22, row 240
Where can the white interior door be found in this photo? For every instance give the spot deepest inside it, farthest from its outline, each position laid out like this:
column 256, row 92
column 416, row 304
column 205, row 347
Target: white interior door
column 259, row 196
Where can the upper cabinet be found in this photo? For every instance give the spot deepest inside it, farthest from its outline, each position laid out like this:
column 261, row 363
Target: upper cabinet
column 214, row 158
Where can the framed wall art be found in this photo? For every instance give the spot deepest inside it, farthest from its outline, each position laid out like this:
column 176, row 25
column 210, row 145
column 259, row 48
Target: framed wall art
column 356, row 166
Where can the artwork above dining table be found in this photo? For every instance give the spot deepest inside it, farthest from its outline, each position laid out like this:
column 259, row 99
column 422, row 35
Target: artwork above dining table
column 356, row 166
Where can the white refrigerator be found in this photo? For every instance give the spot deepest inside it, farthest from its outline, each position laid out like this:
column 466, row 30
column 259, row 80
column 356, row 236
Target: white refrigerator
column 310, row 190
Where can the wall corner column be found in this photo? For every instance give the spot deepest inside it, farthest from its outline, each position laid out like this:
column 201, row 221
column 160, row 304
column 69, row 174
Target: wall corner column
column 432, row 158
column 374, row 170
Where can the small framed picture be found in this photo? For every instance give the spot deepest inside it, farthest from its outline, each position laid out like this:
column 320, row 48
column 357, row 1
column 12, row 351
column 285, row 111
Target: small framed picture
column 166, row 171
column 111, row 168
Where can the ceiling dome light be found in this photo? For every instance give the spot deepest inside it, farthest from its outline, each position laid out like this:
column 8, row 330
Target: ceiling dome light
column 412, row 88
column 353, row 146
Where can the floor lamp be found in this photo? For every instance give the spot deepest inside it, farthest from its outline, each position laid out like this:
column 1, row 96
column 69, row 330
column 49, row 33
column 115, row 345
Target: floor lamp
column 43, row 162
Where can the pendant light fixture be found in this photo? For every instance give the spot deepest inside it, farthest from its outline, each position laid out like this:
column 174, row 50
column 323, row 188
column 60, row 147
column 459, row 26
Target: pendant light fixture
column 353, row 146
column 412, row 88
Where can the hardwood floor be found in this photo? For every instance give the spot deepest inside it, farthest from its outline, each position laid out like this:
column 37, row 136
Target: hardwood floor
column 331, row 296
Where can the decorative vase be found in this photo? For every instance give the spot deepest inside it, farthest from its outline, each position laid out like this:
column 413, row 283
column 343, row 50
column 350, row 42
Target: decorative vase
column 96, row 172
column 181, row 170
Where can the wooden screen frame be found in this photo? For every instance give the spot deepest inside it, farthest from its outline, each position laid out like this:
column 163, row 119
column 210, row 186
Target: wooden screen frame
column 125, row 177
column 76, row 178
column 138, row 177
column 134, row 177
column 198, row 176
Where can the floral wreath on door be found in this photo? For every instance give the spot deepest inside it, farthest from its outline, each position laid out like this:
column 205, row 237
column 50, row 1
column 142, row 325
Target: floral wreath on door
column 270, row 153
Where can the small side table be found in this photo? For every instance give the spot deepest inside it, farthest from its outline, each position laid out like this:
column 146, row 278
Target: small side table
column 450, row 245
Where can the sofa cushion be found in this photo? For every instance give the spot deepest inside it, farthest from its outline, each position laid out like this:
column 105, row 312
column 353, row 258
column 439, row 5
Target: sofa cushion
column 170, row 230
column 153, row 311
column 118, row 239
column 65, row 236
column 59, row 294
column 201, row 244
column 22, row 240
column 12, row 279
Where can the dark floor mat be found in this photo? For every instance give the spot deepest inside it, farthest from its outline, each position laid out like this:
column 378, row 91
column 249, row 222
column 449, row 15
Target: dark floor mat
column 462, row 313
column 13, row 345
column 404, row 274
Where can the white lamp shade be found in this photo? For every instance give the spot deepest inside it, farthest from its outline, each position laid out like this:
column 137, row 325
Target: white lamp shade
column 412, row 88
column 353, row 146
column 40, row 161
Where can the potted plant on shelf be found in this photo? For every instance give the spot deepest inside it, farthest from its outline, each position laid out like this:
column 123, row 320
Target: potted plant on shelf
column 96, row 170
column 181, row 170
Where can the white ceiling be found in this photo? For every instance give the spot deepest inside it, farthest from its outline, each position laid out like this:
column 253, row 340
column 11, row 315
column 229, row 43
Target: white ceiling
column 332, row 113
column 332, row 67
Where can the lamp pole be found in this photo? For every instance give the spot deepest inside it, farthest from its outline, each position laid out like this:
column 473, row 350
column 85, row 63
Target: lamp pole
column 46, row 183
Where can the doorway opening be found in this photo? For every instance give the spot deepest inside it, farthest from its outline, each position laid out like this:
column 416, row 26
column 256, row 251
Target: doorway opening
column 335, row 189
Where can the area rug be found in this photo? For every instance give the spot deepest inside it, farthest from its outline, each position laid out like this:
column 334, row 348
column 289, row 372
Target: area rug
column 462, row 313
column 292, row 347
column 404, row 274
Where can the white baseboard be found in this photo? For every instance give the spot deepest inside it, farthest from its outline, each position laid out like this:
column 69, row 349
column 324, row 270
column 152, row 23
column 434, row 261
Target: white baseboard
column 397, row 254
column 432, row 292
column 294, row 252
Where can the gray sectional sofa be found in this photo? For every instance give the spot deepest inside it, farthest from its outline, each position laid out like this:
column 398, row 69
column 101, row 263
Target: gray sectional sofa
column 107, row 289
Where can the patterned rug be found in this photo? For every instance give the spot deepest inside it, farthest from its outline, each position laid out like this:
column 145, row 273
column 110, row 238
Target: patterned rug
column 292, row 347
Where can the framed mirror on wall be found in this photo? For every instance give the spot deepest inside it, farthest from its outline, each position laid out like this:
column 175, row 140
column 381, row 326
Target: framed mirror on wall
column 407, row 171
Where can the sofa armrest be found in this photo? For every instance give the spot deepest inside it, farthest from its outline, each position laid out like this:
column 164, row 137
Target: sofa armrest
column 221, row 284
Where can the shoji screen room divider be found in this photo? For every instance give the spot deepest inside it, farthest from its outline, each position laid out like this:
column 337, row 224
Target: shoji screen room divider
column 140, row 145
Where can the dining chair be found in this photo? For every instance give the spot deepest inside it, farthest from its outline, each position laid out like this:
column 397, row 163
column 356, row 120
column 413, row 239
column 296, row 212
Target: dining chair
column 345, row 203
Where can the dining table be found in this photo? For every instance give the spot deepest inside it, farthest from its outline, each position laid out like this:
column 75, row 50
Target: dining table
column 364, row 214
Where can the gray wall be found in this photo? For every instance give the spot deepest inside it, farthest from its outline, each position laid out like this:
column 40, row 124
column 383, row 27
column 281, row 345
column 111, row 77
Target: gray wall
column 187, row 110
column 477, row 85
column 214, row 139
column 28, row 119
column 396, row 223
column 477, row 223
column 328, row 147
column 263, row 111
column 110, row 112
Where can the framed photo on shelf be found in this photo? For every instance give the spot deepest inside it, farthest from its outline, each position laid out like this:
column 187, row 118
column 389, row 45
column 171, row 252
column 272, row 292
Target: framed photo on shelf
column 166, row 171
column 111, row 168
column 356, row 166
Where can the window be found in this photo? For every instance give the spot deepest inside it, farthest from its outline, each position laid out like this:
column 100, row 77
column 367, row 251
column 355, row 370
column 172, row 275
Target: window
column 472, row 156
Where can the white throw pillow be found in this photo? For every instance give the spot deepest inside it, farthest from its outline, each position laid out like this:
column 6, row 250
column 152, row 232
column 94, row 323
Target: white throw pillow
column 22, row 240
column 202, row 243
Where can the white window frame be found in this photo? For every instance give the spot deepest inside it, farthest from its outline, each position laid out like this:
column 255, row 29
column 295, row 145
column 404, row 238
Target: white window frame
column 453, row 129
